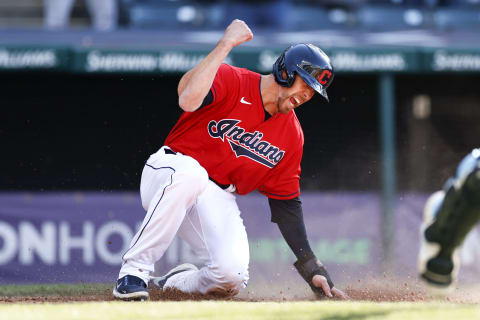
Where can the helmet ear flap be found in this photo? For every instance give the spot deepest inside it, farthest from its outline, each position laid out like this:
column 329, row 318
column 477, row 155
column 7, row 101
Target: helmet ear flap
column 290, row 78
column 279, row 68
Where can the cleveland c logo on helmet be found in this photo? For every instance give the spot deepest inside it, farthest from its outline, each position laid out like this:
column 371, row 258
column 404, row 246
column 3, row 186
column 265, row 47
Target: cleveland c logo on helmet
column 307, row 61
column 324, row 77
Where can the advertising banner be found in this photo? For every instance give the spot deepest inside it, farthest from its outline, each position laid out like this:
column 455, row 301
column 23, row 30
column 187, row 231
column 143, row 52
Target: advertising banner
column 178, row 60
column 80, row 237
column 259, row 59
column 452, row 60
column 34, row 58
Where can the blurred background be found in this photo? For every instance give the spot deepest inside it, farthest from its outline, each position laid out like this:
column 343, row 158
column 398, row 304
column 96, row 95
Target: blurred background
column 88, row 92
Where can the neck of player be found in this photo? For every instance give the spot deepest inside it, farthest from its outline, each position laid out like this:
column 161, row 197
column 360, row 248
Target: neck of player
column 269, row 90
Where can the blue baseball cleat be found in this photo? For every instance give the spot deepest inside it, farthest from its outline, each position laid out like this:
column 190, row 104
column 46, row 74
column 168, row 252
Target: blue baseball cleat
column 130, row 288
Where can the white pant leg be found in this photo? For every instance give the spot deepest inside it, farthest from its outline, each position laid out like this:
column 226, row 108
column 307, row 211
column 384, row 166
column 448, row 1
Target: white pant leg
column 57, row 13
column 104, row 14
column 170, row 185
column 215, row 231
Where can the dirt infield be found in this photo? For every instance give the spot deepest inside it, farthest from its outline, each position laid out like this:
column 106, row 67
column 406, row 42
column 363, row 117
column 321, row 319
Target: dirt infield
column 374, row 292
column 158, row 295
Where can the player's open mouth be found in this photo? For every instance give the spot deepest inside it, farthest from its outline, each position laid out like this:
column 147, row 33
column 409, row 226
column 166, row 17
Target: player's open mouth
column 294, row 101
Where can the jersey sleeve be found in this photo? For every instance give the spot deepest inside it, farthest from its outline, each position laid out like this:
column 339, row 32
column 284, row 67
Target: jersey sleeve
column 225, row 80
column 283, row 182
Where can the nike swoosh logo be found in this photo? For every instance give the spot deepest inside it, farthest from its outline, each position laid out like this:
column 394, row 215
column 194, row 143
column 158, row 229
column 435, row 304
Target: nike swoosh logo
column 244, row 102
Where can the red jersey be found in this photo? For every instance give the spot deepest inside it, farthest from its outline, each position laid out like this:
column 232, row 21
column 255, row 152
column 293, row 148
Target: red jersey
column 232, row 140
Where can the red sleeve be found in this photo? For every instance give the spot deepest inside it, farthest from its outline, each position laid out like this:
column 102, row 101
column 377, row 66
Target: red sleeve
column 224, row 80
column 283, row 182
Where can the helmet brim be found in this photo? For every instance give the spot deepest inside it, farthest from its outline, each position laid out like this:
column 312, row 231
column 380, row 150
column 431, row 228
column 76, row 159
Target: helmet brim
column 312, row 82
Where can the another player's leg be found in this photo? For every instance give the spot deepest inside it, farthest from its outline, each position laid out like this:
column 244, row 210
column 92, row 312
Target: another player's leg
column 215, row 231
column 443, row 266
column 448, row 217
column 170, row 186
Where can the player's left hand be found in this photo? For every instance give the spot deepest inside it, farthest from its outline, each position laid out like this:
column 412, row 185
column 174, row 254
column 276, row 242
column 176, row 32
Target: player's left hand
column 321, row 282
column 237, row 33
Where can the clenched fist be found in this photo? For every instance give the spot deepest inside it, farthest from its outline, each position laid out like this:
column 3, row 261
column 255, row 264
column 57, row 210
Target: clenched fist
column 237, row 33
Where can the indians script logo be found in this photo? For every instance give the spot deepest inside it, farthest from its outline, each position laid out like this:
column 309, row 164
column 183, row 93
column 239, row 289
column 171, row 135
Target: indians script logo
column 244, row 143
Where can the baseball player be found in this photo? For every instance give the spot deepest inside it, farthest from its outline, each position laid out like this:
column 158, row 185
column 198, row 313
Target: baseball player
column 449, row 215
column 239, row 133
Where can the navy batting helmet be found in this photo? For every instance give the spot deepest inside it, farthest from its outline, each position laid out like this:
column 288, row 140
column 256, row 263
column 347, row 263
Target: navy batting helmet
column 309, row 62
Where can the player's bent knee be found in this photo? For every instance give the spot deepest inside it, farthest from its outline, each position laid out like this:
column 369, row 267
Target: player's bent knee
column 230, row 277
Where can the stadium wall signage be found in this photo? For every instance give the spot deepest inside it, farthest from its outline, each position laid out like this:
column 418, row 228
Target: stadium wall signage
column 442, row 60
column 139, row 62
column 28, row 58
column 174, row 60
column 354, row 62
column 80, row 237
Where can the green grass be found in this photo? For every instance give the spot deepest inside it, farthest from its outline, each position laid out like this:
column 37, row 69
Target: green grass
column 211, row 310
column 327, row 310
column 35, row 290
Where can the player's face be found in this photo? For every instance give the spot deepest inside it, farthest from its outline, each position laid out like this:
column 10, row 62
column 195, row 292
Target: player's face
column 296, row 95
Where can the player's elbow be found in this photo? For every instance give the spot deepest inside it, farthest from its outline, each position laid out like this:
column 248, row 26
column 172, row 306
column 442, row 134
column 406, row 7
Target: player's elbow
column 187, row 103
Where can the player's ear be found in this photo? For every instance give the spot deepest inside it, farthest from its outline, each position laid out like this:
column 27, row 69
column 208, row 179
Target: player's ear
column 284, row 75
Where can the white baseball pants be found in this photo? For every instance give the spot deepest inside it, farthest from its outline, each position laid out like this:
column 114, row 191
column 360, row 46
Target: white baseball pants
column 179, row 198
column 104, row 14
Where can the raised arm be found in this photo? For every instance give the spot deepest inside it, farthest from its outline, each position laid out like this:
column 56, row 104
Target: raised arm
column 195, row 84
